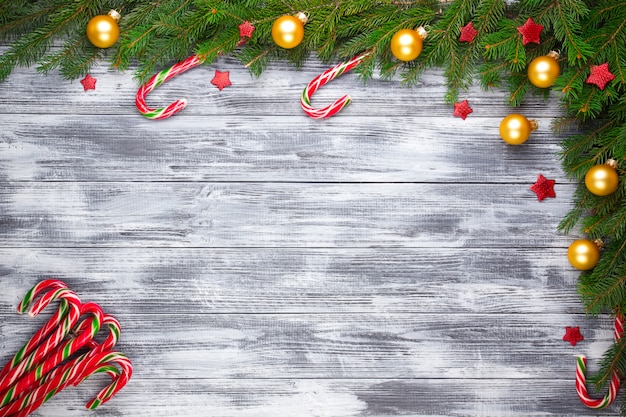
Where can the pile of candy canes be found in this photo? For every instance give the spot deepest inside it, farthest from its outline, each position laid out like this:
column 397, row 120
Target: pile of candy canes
column 63, row 352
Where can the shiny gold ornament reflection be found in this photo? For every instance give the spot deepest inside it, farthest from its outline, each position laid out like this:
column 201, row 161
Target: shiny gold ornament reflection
column 406, row 44
column 584, row 254
column 288, row 31
column 103, row 31
column 602, row 179
column 515, row 129
column 544, row 70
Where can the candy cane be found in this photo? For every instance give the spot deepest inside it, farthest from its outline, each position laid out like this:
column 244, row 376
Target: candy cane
column 157, row 80
column 116, row 385
column 581, row 367
column 53, row 322
column 323, row 79
column 7, row 390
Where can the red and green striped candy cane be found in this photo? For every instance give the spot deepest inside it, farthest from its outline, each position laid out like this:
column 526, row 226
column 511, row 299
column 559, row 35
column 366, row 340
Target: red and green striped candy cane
column 116, row 385
column 581, row 367
column 323, row 79
column 157, row 80
column 7, row 390
column 50, row 285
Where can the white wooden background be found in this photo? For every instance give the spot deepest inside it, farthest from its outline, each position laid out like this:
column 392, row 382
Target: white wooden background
column 389, row 261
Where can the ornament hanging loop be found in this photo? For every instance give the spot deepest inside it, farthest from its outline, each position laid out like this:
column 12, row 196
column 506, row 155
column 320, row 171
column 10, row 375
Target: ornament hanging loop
column 157, row 80
column 323, row 79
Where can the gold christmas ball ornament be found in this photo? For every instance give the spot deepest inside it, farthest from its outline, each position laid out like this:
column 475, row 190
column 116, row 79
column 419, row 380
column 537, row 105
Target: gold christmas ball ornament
column 103, row 30
column 543, row 70
column 602, row 179
column 288, row 31
column 515, row 128
column 406, row 44
column 584, row 254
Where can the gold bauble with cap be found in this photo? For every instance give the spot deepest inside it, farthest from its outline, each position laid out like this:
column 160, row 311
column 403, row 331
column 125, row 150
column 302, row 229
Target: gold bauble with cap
column 516, row 128
column 584, row 254
column 288, row 31
column 406, row 44
column 103, row 31
column 602, row 179
column 544, row 70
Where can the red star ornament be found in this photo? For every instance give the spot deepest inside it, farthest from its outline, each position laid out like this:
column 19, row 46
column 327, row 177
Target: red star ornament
column 89, row 83
column 468, row 33
column 530, row 31
column 462, row 109
column 543, row 187
column 246, row 30
column 572, row 335
column 600, row 75
column 220, row 80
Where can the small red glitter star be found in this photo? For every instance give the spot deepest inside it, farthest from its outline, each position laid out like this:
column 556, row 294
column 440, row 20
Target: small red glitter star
column 600, row 75
column 468, row 33
column 530, row 31
column 572, row 335
column 246, row 30
column 543, row 187
column 462, row 109
column 221, row 79
column 89, row 83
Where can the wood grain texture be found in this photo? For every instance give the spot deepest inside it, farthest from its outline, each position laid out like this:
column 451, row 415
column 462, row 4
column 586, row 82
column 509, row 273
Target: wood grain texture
column 389, row 261
column 304, row 280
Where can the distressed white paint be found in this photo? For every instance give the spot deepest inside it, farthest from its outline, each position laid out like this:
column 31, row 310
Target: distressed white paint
column 390, row 261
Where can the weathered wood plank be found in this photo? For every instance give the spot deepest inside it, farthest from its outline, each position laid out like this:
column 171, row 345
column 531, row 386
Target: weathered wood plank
column 329, row 398
column 366, row 345
column 216, row 280
column 276, row 92
column 279, row 215
column 270, row 148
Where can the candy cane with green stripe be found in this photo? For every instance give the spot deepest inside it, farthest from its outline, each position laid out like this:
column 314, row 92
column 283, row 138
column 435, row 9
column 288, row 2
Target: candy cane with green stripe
column 48, row 345
column 50, row 285
column 157, row 80
column 323, row 79
column 581, row 368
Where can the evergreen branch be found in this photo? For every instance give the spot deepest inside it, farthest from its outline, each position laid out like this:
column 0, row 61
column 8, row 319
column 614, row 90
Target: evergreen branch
column 582, row 50
column 612, row 361
column 595, row 297
column 32, row 18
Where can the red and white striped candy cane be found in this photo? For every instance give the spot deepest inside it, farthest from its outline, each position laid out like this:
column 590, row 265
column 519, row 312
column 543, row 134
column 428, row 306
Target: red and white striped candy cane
column 581, row 367
column 323, row 79
column 157, row 80
column 50, row 285
column 29, row 362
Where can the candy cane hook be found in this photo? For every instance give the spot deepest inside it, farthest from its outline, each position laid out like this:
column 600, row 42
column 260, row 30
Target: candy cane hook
column 323, row 79
column 581, row 383
column 157, row 80
column 50, row 285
